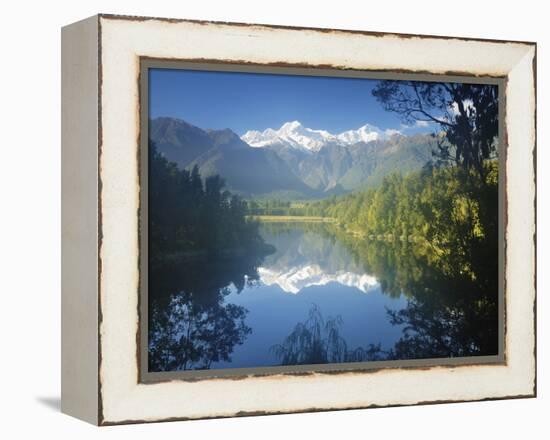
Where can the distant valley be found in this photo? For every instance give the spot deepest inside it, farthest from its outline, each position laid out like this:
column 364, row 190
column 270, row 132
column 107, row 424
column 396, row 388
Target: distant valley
column 292, row 162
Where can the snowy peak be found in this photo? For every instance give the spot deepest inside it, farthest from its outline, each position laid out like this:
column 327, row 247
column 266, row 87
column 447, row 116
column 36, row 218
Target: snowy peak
column 293, row 134
column 290, row 128
column 366, row 133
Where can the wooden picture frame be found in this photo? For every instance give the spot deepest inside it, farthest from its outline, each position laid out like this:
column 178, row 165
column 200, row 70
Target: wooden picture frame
column 104, row 250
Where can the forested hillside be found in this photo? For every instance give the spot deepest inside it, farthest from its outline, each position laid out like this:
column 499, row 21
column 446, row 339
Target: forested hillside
column 419, row 205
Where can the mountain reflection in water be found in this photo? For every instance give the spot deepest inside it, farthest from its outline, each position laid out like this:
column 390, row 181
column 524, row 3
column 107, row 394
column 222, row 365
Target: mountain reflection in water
column 322, row 297
column 305, row 258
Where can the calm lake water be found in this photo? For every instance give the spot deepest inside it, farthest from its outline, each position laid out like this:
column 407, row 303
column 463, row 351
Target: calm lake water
column 234, row 315
column 309, row 269
column 323, row 296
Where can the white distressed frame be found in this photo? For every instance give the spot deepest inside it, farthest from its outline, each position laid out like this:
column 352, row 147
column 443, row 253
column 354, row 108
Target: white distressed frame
column 122, row 41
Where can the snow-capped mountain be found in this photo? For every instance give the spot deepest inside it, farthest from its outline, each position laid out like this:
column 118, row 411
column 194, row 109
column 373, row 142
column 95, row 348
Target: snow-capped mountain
column 295, row 162
column 295, row 135
column 366, row 133
column 297, row 278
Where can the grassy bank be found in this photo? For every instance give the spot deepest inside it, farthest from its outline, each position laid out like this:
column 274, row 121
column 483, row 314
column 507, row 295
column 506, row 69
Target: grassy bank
column 291, row 218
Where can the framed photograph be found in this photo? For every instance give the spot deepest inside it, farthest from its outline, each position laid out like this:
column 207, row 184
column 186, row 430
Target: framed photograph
column 262, row 219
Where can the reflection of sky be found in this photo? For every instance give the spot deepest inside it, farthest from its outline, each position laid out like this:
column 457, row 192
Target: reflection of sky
column 273, row 313
column 275, row 306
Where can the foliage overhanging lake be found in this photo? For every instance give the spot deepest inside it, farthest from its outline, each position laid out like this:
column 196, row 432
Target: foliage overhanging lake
column 300, row 246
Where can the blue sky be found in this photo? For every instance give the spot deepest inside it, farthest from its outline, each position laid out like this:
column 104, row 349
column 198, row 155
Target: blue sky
column 252, row 101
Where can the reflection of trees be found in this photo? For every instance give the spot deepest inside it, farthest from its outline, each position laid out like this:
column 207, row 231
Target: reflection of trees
column 436, row 332
column 451, row 311
column 189, row 335
column 452, row 292
column 319, row 341
column 190, row 325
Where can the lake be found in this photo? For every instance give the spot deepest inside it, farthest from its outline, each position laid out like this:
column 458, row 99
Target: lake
column 310, row 271
column 323, row 296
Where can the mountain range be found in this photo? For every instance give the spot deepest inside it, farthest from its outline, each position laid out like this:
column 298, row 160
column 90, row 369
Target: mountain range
column 294, row 161
column 295, row 135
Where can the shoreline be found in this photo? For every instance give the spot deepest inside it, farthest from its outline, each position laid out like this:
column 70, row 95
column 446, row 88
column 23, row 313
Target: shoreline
column 291, row 219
